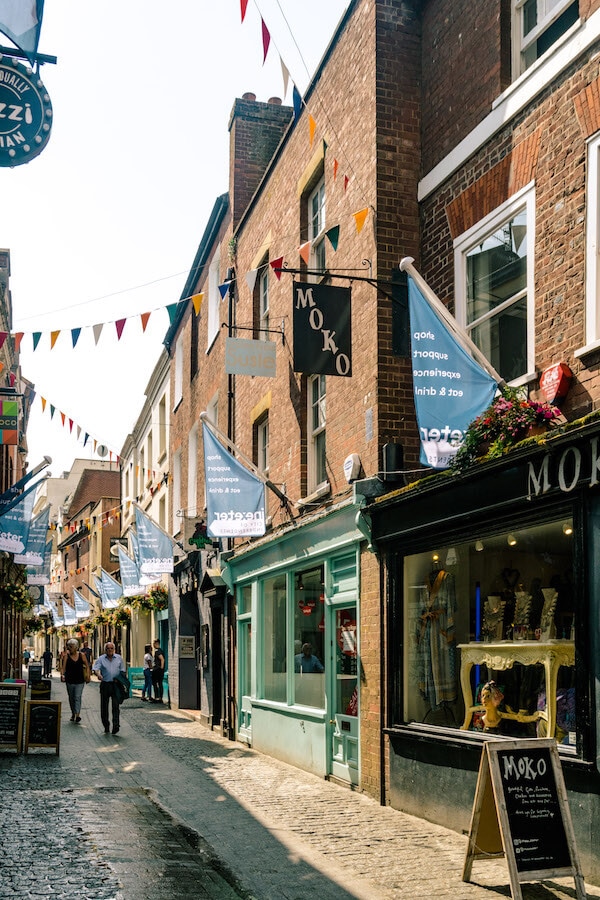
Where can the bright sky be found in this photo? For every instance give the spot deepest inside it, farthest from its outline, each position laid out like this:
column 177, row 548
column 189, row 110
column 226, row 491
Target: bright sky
column 105, row 222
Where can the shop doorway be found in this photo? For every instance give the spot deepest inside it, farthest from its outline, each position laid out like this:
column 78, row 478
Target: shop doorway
column 344, row 720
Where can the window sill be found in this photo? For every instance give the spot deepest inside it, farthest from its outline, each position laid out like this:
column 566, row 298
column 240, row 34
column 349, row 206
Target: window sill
column 588, row 350
column 322, row 491
column 306, row 712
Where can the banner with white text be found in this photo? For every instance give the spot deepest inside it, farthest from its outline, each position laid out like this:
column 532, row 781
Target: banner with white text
column 235, row 498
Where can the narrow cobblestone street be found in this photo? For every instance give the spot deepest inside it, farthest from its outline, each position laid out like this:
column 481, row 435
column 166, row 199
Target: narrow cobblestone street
column 169, row 809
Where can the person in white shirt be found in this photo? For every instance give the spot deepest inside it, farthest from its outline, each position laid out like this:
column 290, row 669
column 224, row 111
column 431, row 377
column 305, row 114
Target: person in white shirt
column 107, row 667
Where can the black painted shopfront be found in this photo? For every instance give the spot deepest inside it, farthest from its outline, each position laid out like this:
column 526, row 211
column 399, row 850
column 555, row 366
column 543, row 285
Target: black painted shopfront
column 492, row 598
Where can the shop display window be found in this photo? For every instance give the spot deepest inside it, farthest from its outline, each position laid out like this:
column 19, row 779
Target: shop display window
column 489, row 634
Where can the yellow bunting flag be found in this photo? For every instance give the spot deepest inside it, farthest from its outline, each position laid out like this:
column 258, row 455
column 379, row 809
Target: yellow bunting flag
column 53, row 338
column 360, row 218
column 197, row 301
column 43, row 399
column 312, row 125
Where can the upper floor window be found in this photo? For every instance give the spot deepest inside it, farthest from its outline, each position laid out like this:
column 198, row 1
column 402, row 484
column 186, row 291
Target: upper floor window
column 537, row 25
column 263, row 303
column 178, row 371
column 316, row 226
column 495, row 286
column 214, row 298
column 592, row 267
column 195, row 320
column 317, row 469
column 262, row 445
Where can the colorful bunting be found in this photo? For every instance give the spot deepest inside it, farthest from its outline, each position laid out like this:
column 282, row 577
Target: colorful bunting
column 197, row 302
column 346, row 180
column 145, row 318
column 304, row 251
column 266, row 39
column 36, row 338
column 333, row 234
column 275, row 265
column 120, row 325
column 311, row 129
column 244, row 7
column 75, row 332
column 97, row 332
column 223, row 288
column 172, row 311
column 297, row 101
column 18, row 338
column 3, row 336
column 53, row 338
column 286, row 77
column 360, row 218
column 336, row 166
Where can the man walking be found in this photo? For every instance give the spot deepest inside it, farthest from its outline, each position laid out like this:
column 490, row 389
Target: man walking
column 158, row 671
column 107, row 667
column 47, row 656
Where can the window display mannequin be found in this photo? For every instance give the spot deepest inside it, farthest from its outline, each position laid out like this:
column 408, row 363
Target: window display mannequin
column 436, row 646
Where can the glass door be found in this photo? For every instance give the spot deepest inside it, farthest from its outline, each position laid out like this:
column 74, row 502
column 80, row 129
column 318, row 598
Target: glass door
column 345, row 696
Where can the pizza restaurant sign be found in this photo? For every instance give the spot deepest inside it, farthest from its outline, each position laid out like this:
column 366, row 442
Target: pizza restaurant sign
column 25, row 113
column 576, row 465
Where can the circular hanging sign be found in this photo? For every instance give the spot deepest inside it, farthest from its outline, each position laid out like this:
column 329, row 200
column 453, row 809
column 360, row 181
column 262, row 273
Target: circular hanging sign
column 25, row 113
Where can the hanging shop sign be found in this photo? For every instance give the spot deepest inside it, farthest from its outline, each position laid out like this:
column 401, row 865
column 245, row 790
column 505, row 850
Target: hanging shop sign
column 25, row 113
column 322, row 329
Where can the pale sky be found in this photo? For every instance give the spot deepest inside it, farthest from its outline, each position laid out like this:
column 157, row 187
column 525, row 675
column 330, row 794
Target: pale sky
column 105, row 222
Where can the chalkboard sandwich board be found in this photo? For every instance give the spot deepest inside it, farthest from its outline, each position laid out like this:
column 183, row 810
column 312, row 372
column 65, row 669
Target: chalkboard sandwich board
column 521, row 811
column 42, row 724
column 12, row 698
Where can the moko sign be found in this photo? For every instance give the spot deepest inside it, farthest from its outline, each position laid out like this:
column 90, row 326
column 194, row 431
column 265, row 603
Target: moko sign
column 25, row 113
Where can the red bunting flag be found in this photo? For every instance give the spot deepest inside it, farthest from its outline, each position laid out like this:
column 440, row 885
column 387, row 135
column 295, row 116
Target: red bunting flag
column 275, row 265
column 120, row 325
column 266, row 39
column 244, row 7
column 346, row 180
column 3, row 336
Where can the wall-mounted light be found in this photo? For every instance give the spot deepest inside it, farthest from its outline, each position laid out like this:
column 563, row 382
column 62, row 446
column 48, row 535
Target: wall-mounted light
column 567, row 528
column 436, row 557
column 511, row 540
column 479, row 546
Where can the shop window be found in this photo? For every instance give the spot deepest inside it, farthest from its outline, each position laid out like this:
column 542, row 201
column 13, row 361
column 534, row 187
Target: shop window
column 537, row 26
column 316, row 227
column 263, row 303
column 309, row 635
column 178, row 387
column 274, row 638
column 317, row 462
column 489, row 631
column 592, row 283
column 495, row 286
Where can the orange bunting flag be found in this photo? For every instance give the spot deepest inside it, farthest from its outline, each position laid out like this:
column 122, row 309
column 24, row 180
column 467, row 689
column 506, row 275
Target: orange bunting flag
column 304, row 251
column 360, row 218
column 18, row 338
column 53, row 338
column 244, row 7
column 145, row 317
column 197, row 301
column 336, row 166
column 63, row 417
column 311, row 129
column 120, row 325
column 266, row 39
column 275, row 265
column 43, row 399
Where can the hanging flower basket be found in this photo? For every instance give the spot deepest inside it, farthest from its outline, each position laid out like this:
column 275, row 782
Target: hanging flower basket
column 34, row 625
column 507, row 421
column 17, row 596
column 158, row 595
column 121, row 616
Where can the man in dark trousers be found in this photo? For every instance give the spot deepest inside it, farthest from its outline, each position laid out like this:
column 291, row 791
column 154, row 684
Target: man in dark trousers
column 47, row 660
column 158, row 672
column 108, row 667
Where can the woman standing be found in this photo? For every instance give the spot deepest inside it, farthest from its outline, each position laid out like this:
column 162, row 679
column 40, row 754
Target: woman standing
column 75, row 672
column 148, row 663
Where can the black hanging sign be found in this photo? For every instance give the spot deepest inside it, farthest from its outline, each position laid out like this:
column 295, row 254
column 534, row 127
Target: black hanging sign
column 42, row 728
column 521, row 812
column 11, row 715
column 25, row 113
column 322, row 329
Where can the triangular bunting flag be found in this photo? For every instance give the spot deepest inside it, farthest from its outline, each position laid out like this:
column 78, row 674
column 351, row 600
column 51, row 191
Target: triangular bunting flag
column 86, row 439
column 145, row 318
column 78, row 432
column 197, row 302
column 223, row 288
column 251, row 279
column 304, row 251
column 36, row 338
column 244, row 7
column 18, row 338
column 12, row 379
column 53, row 338
column 43, row 399
column 275, row 265
column 63, row 417
column 97, row 329
column 360, row 218
column 346, row 180
column 336, row 166
column 75, row 332
column 3, row 336
column 297, row 101
column 286, row 77
column 311, row 129
column 52, row 411
column 70, row 426
column 266, row 39
column 120, row 325
column 172, row 311
column 334, row 235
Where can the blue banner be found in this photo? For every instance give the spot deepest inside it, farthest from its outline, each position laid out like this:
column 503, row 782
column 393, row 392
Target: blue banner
column 112, row 591
column 450, row 388
column 82, row 607
column 36, row 541
column 15, row 523
column 154, row 546
column 22, row 22
column 69, row 614
column 41, row 574
column 130, row 574
column 235, row 498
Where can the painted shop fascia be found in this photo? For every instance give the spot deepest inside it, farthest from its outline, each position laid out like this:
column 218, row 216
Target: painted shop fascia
column 507, row 532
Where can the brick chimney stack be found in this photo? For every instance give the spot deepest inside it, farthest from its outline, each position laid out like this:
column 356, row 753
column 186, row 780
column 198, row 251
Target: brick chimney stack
column 255, row 130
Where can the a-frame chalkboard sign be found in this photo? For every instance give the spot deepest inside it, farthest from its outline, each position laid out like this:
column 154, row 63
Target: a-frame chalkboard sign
column 12, row 698
column 42, row 724
column 521, row 812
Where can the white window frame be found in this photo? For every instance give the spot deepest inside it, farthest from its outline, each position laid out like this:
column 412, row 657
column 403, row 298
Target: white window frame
column 263, row 303
column 178, row 387
column 592, row 246
column 548, row 12
column 262, row 445
column 192, row 499
column 523, row 199
column 316, row 226
column 214, row 298
column 176, row 493
column 315, row 431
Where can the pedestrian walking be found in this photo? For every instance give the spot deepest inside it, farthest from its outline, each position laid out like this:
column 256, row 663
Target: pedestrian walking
column 158, row 671
column 26, row 655
column 87, row 652
column 148, row 666
column 75, row 672
column 107, row 667
column 47, row 657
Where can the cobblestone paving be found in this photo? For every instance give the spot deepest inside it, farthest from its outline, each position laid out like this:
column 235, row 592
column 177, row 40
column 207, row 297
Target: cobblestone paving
column 168, row 809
